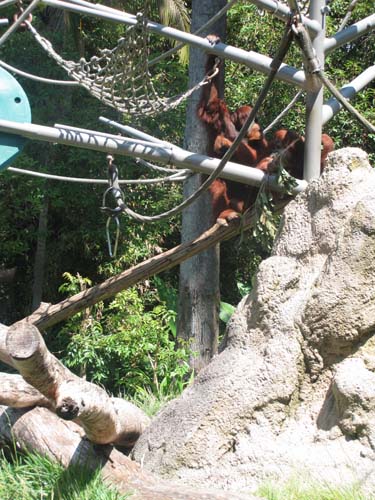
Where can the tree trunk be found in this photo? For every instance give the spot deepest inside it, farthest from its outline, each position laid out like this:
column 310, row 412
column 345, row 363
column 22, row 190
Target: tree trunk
column 40, row 254
column 7, row 278
column 293, row 393
column 199, row 293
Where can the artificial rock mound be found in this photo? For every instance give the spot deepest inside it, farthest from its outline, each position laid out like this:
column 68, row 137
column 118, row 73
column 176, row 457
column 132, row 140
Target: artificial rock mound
column 294, row 390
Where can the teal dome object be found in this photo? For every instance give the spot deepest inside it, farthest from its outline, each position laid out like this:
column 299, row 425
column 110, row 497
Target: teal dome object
column 14, row 106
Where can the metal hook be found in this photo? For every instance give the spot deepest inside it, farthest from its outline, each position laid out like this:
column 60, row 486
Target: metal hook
column 113, row 253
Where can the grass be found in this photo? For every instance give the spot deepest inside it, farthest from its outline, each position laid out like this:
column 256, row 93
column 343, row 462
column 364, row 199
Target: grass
column 300, row 489
column 32, row 477
column 149, row 402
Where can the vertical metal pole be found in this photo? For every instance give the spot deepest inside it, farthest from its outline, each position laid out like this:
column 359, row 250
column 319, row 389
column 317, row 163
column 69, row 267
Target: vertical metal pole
column 314, row 99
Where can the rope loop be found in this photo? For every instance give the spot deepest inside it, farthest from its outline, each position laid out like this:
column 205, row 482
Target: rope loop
column 114, row 189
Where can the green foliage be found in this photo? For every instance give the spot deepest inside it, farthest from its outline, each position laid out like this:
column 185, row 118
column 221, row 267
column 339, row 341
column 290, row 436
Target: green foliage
column 76, row 238
column 226, row 311
column 127, row 345
column 169, row 296
column 33, row 477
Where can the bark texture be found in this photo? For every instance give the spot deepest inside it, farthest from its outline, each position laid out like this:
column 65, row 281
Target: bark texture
column 199, row 291
column 293, row 392
column 47, row 382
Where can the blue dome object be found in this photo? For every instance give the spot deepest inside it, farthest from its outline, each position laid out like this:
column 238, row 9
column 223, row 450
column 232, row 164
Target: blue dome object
column 14, row 106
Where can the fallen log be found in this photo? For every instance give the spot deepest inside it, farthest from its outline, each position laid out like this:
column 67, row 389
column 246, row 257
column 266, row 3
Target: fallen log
column 63, row 441
column 46, row 382
column 103, row 418
column 17, row 393
column 4, row 356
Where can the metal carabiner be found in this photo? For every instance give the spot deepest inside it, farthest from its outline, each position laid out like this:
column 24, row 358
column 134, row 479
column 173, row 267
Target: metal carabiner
column 113, row 253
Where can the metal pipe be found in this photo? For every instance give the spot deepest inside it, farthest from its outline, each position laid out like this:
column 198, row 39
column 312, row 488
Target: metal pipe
column 314, row 100
column 332, row 106
column 252, row 59
column 274, row 6
column 5, row 3
column 120, row 146
column 282, row 12
column 4, row 22
column 349, row 34
column 135, row 132
column 36, row 78
column 23, row 16
column 99, row 6
column 104, row 134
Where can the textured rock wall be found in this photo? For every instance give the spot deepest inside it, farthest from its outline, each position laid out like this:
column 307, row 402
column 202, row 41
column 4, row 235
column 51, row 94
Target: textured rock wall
column 294, row 391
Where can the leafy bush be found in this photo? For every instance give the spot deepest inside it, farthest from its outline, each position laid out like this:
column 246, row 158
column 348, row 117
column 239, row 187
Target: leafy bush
column 127, row 345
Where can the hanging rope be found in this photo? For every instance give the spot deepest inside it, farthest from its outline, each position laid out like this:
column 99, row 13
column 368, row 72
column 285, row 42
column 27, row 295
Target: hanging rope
column 284, row 112
column 314, row 67
column 177, row 176
column 275, row 65
column 348, row 15
column 36, row 77
column 345, row 103
column 203, row 28
column 113, row 213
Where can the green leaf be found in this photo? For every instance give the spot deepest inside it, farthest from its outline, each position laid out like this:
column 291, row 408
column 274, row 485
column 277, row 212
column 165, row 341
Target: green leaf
column 226, row 311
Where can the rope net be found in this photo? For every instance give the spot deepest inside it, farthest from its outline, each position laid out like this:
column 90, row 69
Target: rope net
column 120, row 77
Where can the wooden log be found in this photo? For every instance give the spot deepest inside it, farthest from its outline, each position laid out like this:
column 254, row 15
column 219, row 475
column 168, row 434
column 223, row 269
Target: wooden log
column 16, row 392
column 4, row 356
column 53, row 314
column 104, row 419
column 63, row 441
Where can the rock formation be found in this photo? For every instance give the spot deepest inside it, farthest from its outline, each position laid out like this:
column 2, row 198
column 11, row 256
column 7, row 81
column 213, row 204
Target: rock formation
column 294, row 390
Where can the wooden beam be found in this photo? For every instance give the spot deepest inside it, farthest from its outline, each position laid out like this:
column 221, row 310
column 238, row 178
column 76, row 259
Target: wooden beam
column 51, row 314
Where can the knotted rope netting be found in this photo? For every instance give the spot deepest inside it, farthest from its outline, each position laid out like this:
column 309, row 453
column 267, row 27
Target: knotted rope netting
column 120, row 77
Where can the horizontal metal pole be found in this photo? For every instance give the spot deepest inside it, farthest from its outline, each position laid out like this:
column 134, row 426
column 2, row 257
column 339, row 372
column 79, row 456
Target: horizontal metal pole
column 252, row 59
column 276, row 8
column 121, row 146
column 4, row 22
column 349, row 34
column 99, row 6
column 135, row 132
column 79, row 130
column 5, row 3
column 332, row 106
column 282, row 12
